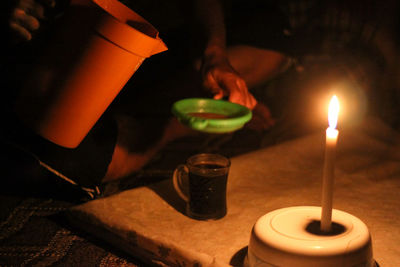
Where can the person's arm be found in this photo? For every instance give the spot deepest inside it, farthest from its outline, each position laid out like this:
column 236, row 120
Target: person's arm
column 218, row 74
column 210, row 14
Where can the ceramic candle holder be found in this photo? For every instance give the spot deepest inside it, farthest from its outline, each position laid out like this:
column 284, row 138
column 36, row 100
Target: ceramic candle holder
column 292, row 237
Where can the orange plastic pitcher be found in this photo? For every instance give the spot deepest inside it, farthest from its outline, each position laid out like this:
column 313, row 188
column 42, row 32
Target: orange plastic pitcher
column 98, row 46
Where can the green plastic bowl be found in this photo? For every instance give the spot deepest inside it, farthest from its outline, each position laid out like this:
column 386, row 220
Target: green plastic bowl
column 212, row 116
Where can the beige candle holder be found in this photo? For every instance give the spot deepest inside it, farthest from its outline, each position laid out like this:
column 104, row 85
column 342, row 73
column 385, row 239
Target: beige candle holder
column 292, row 237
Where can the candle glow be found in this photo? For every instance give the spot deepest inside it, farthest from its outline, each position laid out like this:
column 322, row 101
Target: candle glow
column 333, row 112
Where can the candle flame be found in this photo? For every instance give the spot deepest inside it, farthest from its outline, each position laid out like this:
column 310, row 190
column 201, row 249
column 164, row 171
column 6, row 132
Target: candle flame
column 333, row 112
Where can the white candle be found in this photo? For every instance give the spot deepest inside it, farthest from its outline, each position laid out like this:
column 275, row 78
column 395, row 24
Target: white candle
column 329, row 165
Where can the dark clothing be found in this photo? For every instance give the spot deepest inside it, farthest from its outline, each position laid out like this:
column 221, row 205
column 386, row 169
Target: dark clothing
column 257, row 23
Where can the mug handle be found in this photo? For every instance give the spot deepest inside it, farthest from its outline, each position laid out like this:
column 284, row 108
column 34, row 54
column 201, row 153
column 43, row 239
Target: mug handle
column 179, row 172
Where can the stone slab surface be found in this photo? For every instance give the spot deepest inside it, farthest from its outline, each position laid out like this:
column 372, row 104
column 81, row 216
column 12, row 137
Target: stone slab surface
column 149, row 222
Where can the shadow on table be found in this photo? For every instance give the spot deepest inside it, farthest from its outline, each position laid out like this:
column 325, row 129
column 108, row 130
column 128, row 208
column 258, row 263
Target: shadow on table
column 166, row 191
column 238, row 258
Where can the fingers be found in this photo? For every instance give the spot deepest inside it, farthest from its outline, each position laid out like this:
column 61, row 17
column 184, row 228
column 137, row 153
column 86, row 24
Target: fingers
column 219, row 95
column 25, row 17
column 213, row 86
column 237, row 90
column 20, row 31
column 245, row 97
column 21, row 18
column 222, row 80
column 32, row 8
column 23, row 25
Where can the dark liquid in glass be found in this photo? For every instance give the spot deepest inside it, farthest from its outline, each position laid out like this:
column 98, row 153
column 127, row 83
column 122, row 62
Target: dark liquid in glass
column 207, row 192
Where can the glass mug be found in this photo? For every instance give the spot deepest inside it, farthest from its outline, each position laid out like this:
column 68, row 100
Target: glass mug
column 201, row 183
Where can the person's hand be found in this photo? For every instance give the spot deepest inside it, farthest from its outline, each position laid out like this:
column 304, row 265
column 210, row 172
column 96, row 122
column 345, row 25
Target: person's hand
column 223, row 81
column 25, row 17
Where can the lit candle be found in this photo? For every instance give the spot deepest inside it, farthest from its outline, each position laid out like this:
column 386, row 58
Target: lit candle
column 329, row 165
